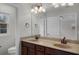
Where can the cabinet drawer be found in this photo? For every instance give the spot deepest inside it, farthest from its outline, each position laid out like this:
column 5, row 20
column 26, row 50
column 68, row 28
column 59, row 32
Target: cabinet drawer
column 64, row 53
column 39, row 48
column 50, row 51
column 26, row 44
column 30, row 45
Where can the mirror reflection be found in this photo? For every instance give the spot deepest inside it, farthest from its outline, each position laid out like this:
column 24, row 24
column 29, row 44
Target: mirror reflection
column 56, row 21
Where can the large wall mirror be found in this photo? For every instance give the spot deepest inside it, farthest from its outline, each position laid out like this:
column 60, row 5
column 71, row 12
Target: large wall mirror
column 38, row 24
column 57, row 23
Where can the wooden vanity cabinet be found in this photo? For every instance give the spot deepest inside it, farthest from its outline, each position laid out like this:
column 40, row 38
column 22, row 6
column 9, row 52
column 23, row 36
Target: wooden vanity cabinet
column 34, row 49
column 24, row 50
column 40, row 50
column 51, row 51
column 31, row 51
column 27, row 48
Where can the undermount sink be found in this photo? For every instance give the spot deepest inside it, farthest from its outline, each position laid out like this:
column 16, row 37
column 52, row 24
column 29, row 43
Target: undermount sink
column 62, row 45
column 33, row 40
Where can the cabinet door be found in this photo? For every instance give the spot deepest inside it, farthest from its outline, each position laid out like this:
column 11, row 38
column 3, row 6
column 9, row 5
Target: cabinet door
column 39, row 52
column 68, row 26
column 24, row 51
column 31, row 51
column 39, row 48
column 50, row 51
column 59, row 52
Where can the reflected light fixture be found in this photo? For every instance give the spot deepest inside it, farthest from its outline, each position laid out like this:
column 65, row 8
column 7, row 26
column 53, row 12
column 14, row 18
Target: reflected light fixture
column 38, row 9
column 63, row 4
column 56, row 5
column 70, row 4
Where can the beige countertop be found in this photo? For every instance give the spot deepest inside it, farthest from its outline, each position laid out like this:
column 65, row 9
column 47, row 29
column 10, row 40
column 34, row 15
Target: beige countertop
column 74, row 48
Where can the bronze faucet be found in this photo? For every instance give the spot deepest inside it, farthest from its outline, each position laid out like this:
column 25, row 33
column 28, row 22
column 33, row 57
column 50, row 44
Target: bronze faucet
column 64, row 41
column 37, row 37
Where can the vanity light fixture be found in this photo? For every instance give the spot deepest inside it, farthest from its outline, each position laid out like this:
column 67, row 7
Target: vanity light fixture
column 38, row 9
column 63, row 4
column 56, row 5
column 70, row 4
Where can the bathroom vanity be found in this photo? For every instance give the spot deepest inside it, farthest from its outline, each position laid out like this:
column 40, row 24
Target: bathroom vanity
column 30, row 46
column 56, row 26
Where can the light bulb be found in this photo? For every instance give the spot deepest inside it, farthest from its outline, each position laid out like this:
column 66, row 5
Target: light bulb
column 35, row 12
column 43, row 10
column 40, row 9
column 56, row 6
column 63, row 4
column 32, row 10
column 36, row 8
column 70, row 4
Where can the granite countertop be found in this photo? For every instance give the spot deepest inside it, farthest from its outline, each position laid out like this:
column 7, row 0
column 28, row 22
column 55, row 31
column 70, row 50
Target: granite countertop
column 74, row 48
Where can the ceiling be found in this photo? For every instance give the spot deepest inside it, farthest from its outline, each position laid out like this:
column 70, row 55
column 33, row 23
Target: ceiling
column 45, row 5
column 48, row 6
